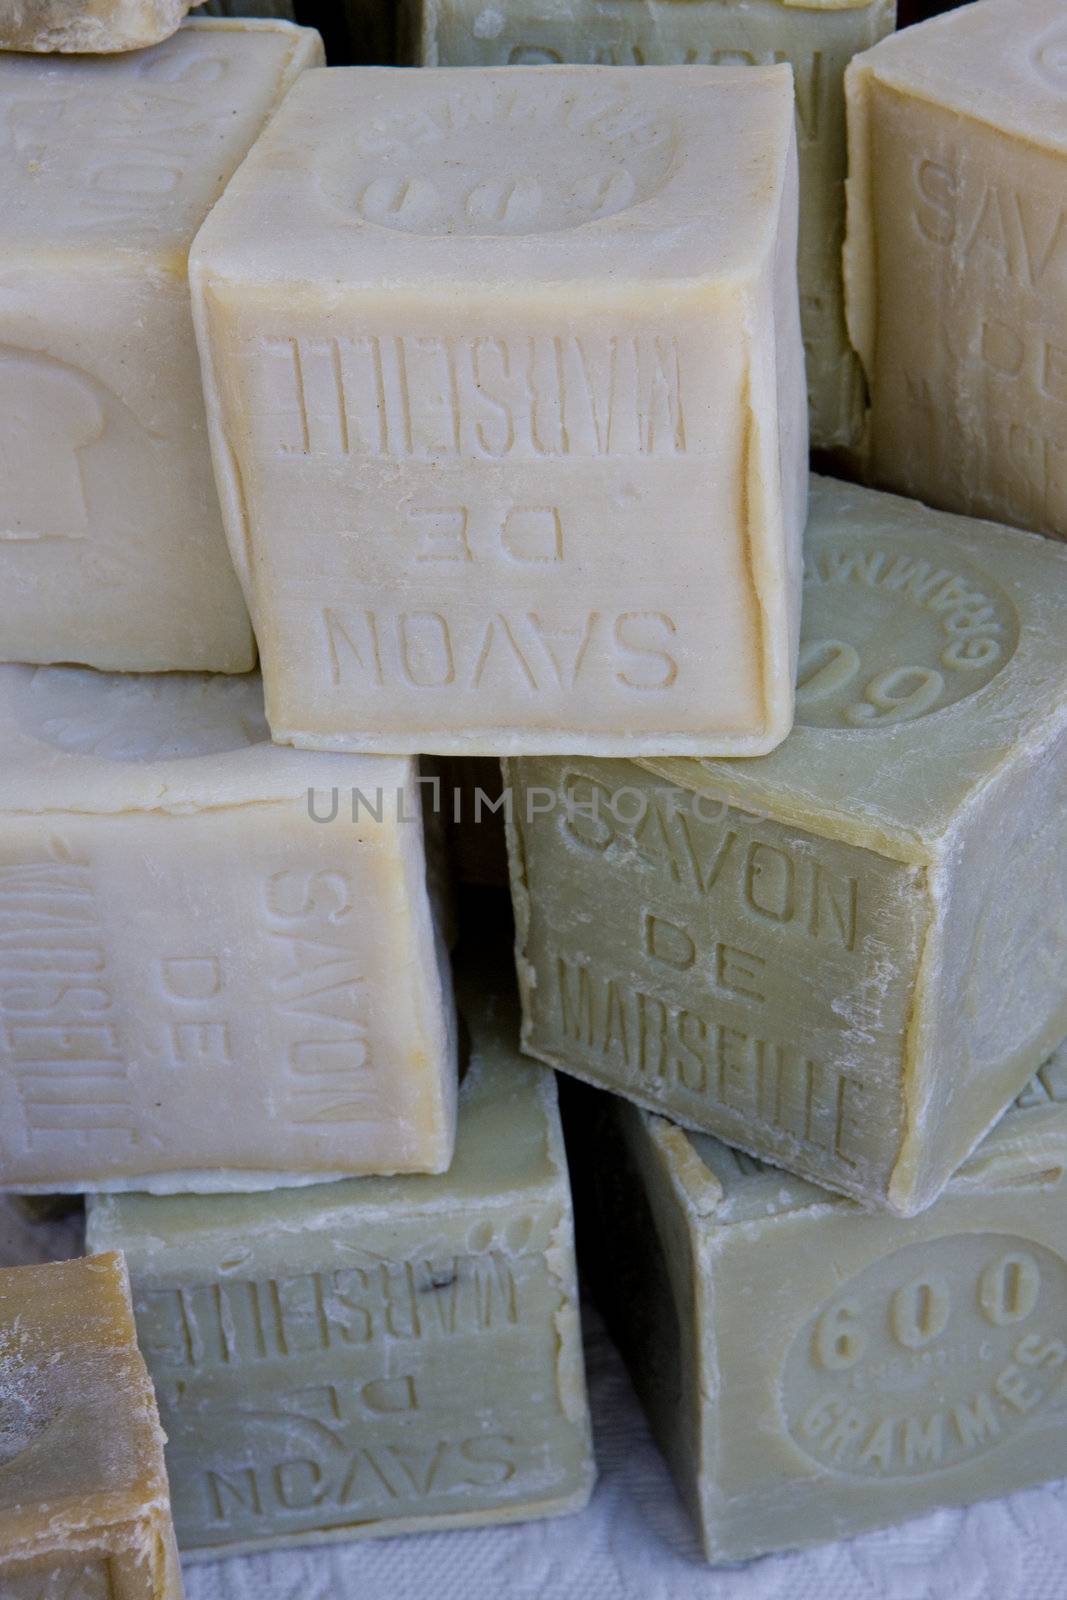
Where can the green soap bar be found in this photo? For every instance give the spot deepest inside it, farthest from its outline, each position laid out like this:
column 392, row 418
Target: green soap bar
column 377, row 1355
column 812, row 1370
column 818, row 39
column 849, row 956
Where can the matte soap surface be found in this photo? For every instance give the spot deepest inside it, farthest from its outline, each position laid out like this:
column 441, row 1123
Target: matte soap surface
column 817, row 39
column 378, row 1355
column 200, row 984
column 812, row 1371
column 88, row 25
column 84, row 1508
column 112, row 550
column 956, row 263
column 504, row 303
column 849, row 956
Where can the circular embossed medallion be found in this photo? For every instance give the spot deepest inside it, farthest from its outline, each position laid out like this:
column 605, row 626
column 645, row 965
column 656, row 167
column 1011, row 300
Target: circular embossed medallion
column 929, row 1357
column 501, row 159
column 895, row 631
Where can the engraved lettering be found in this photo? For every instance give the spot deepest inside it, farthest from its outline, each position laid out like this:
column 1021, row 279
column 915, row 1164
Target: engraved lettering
column 916, row 1363
column 476, row 398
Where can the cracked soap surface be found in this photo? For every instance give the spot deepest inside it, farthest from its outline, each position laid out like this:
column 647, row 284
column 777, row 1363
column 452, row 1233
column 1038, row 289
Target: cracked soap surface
column 178, row 936
column 112, row 550
column 812, row 1371
column 505, row 300
column 375, row 1355
column 956, row 259
column 84, row 1508
column 818, row 41
column 846, row 957
column 88, row 25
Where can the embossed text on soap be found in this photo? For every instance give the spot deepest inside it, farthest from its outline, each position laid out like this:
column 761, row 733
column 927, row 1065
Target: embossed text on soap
column 929, row 1357
column 321, row 995
column 481, row 397
column 223, row 1324
column 58, row 1025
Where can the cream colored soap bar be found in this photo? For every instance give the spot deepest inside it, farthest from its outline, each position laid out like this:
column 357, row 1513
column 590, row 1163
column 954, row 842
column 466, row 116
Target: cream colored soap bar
column 219, row 965
column 376, row 1356
column 817, row 39
column 812, row 1371
column 847, row 957
column 84, row 1505
column 112, row 549
column 956, row 263
column 88, row 25
column 509, row 418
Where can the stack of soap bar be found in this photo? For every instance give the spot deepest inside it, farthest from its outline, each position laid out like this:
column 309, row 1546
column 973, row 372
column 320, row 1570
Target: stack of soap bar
column 956, row 259
column 88, row 25
column 84, row 1507
column 545, row 490
column 812, row 1371
column 847, row 957
column 219, row 965
column 112, row 549
column 375, row 1356
column 817, row 39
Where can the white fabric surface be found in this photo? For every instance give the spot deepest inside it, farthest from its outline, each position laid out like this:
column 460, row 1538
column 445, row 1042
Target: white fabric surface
column 634, row 1543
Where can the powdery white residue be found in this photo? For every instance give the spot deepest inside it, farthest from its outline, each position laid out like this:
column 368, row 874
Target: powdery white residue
column 22, row 1398
column 489, row 24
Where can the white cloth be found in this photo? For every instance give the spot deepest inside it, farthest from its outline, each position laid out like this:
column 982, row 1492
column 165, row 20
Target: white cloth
column 634, row 1542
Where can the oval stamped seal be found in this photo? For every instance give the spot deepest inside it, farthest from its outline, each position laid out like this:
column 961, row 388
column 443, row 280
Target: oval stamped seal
column 929, row 1357
column 923, row 629
column 577, row 156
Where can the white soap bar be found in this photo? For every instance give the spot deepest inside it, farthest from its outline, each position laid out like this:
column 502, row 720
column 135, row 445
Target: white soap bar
column 509, row 417
column 112, row 550
column 817, row 39
column 211, row 976
column 956, row 259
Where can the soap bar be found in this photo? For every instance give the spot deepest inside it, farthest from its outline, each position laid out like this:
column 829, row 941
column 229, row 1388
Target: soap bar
column 377, row 1356
column 956, row 257
column 817, row 39
column 219, row 963
column 112, row 550
column 849, row 956
column 509, row 418
column 88, row 25
column 812, row 1371
column 84, row 1506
